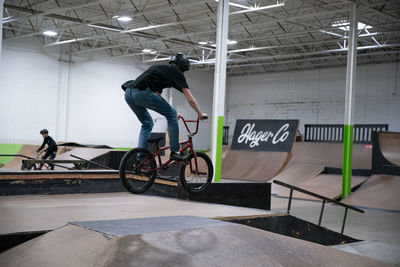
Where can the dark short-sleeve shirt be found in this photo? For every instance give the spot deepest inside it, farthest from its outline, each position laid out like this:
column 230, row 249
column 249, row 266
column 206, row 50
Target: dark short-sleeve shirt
column 158, row 77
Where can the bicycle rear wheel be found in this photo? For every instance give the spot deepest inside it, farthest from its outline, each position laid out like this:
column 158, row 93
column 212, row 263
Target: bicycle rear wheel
column 196, row 180
column 137, row 170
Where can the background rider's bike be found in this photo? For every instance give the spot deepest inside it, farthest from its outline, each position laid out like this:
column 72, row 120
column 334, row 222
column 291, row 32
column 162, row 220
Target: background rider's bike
column 138, row 168
column 39, row 166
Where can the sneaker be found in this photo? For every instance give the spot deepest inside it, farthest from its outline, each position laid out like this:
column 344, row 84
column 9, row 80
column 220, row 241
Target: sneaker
column 177, row 157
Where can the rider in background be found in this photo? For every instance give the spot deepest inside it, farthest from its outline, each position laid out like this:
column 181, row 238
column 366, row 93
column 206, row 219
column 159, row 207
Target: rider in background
column 52, row 148
column 145, row 93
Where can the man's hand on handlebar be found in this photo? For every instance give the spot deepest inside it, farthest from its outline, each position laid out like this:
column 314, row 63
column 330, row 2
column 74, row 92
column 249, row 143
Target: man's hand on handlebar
column 203, row 116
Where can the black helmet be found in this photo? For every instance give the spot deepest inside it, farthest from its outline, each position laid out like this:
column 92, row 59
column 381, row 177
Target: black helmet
column 44, row 131
column 181, row 61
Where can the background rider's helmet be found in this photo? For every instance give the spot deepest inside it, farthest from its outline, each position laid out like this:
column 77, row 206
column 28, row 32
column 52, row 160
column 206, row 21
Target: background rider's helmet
column 44, row 131
column 181, row 61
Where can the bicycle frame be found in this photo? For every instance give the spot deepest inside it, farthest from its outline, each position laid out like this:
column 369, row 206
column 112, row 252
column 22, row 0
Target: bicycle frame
column 39, row 166
column 187, row 144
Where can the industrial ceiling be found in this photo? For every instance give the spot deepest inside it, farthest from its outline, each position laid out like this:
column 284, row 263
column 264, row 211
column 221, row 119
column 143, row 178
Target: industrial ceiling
column 264, row 35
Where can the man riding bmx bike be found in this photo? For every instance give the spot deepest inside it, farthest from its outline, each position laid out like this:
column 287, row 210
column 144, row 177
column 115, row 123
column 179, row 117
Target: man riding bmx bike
column 145, row 93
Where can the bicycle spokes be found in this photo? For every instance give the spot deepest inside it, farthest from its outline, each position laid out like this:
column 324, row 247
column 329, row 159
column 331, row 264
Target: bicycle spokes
column 197, row 173
column 137, row 170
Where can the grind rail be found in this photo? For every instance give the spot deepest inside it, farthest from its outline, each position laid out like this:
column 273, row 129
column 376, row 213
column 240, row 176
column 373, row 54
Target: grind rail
column 29, row 160
column 324, row 200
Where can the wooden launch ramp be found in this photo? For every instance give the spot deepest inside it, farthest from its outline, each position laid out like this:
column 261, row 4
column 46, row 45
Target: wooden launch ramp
column 173, row 241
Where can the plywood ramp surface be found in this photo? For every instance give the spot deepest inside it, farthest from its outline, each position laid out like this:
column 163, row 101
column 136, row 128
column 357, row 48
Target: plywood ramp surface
column 329, row 154
column 233, row 245
column 226, row 245
column 253, row 166
column 67, row 246
column 295, row 175
column 82, row 152
column 26, row 150
column 236, row 163
column 389, row 143
column 380, row 191
column 327, row 185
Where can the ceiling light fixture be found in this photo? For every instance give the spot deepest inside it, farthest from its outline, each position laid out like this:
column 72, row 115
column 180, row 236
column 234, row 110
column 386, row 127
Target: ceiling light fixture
column 124, row 18
column 50, row 33
column 345, row 25
column 149, row 51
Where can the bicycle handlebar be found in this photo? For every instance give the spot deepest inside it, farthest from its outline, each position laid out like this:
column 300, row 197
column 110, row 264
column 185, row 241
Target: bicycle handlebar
column 186, row 126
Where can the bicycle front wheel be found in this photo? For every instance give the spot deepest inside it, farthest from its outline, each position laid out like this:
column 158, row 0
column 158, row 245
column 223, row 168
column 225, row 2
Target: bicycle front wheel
column 137, row 170
column 197, row 174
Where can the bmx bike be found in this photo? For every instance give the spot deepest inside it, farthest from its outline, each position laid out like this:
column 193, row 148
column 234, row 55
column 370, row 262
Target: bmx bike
column 38, row 166
column 138, row 168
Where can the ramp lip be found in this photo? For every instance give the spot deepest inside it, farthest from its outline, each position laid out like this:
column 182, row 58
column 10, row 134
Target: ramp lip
column 137, row 226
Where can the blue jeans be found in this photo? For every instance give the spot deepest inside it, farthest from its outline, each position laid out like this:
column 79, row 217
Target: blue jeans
column 139, row 102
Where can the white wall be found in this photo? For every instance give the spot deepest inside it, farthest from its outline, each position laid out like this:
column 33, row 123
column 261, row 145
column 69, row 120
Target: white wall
column 28, row 94
column 79, row 101
column 82, row 101
column 316, row 96
column 201, row 85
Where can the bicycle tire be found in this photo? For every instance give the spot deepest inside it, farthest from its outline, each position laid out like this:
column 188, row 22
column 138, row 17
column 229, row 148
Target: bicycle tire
column 137, row 176
column 194, row 182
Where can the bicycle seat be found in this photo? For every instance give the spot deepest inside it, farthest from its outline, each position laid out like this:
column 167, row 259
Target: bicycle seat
column 155, row 140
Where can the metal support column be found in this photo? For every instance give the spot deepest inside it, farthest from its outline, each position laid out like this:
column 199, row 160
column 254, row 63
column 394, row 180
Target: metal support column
column 322, row 212
column 63, row 96
column 344, row 220
column 219, row 87
column 349, row 104
column 290, row 201
column 1, row 26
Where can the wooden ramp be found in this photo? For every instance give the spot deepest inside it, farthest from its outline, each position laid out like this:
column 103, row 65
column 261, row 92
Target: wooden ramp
column 63, row 153
column 82, row 152
column 304, row 162
column 380, row 191
column 295, row 175
column 328, row 185
column 16, row 162
column 173, row 241
column 253, row 166
column 389, row 143
column 329, row 155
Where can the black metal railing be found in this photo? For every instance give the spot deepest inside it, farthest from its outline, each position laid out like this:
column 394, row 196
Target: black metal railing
column 324, row 200
column 225, row 135
column 334, row 132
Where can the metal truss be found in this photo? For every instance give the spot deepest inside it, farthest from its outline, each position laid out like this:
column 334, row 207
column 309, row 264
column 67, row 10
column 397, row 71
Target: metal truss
column 265, row 35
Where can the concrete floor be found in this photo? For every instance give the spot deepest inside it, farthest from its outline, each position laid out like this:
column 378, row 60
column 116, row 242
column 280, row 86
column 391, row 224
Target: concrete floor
column 379, row 230
column 48, row 212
